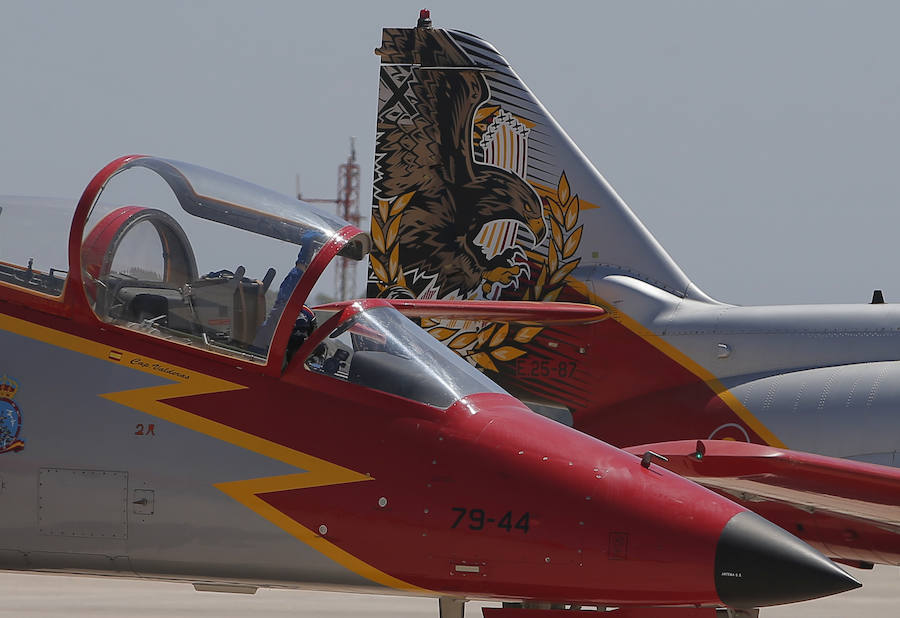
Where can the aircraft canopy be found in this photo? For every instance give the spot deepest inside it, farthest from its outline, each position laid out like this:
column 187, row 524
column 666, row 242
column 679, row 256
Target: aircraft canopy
column 191, row 255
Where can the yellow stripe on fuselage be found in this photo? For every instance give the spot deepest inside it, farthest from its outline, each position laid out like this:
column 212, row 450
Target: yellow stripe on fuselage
column 186, row 382
column 720, row 390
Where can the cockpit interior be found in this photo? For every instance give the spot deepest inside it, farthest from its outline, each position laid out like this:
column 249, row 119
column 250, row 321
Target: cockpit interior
column 184, row 261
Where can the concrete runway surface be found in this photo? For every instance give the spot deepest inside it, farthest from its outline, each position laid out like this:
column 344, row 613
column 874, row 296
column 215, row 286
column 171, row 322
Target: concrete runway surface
column 38, row 596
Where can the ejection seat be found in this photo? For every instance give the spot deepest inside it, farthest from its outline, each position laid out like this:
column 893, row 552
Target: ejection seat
column 221, row 307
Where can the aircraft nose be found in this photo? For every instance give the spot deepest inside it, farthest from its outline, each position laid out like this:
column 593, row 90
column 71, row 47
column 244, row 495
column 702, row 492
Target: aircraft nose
column 759, row 564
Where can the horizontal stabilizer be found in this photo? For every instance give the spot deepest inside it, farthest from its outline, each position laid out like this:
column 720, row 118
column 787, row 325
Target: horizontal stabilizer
column 494, row 311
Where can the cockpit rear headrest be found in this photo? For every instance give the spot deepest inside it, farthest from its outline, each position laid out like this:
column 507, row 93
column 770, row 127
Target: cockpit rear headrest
column 357, row 247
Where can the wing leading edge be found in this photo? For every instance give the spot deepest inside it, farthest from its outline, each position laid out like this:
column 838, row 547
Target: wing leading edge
column 857, row 499
column 494, row 311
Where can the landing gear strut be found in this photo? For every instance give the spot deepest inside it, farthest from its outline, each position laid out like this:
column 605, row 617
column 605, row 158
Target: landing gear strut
column 451, row 607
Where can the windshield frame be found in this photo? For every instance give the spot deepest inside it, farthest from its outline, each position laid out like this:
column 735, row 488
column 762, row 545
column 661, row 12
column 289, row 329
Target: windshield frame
column 350, row 312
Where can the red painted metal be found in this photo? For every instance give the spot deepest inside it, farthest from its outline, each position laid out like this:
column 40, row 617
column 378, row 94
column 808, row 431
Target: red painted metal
column 625, row 390
column 489, row 453
column 99, row 240
column 622, row 612
column 74, row 293
column 498, row 311
column 617, row 377
column 846, row 509
column 806, row 472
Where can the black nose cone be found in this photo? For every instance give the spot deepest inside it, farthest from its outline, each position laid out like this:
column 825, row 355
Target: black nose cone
column 759, row 564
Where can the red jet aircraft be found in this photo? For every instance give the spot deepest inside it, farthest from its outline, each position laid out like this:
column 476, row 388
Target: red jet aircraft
column 163, row 418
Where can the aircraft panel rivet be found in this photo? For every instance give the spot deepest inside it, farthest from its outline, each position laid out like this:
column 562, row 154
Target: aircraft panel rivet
column 323, row 529
column 382, row 502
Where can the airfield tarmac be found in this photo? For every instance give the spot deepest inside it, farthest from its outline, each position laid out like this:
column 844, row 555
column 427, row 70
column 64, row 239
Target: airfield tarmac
column 38, row 596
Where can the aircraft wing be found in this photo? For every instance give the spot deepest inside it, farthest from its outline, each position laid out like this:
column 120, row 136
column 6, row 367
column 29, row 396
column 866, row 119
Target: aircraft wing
column 494, row 311
column 755, row 473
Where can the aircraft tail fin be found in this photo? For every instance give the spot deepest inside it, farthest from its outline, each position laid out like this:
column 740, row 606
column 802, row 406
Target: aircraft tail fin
column 480, row 194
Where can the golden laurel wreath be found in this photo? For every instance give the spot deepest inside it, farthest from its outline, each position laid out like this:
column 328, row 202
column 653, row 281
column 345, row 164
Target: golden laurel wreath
column 386, row 238
column 490, row 342
column 562, row 210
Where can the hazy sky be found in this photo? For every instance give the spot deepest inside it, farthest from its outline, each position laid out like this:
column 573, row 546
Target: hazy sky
column 759, row 141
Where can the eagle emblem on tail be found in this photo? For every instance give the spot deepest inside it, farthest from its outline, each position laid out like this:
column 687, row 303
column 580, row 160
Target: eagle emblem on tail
column 453, row 213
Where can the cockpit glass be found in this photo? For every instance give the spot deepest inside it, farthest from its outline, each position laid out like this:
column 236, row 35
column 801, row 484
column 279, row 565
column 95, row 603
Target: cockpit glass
column 199, row 257
column 140, row 254
column 380, row 348
column 239, row 202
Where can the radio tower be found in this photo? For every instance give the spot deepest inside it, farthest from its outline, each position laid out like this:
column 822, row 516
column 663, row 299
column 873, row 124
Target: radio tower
column 347, row 203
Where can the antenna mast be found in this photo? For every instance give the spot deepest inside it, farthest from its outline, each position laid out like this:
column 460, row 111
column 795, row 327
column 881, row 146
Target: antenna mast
column 347, row 203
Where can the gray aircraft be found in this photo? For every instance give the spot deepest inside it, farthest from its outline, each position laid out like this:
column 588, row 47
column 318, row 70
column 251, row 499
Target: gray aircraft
column 479, row 195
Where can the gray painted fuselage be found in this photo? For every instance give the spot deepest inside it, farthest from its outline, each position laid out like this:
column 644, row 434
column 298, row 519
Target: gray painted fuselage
column 823, row 378
column 96, row 489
